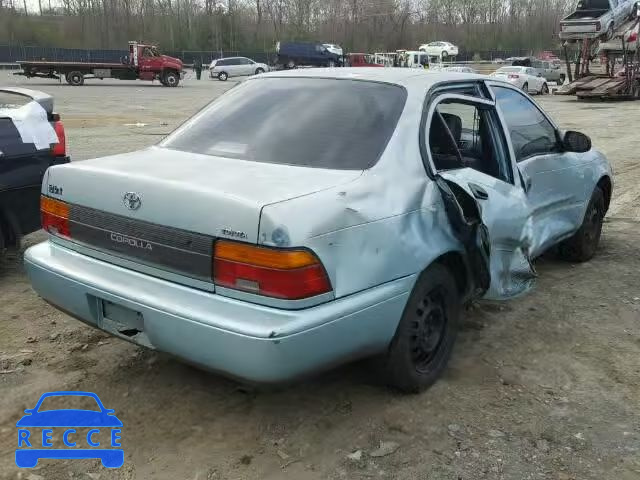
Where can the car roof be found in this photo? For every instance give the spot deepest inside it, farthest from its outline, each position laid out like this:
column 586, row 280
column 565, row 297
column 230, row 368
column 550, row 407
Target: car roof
column 399, row 76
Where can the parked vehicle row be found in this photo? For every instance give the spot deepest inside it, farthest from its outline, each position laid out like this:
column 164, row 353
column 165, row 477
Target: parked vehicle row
column 272, row 279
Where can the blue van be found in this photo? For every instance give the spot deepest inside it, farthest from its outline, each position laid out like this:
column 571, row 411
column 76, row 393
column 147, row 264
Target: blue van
column 292, row 54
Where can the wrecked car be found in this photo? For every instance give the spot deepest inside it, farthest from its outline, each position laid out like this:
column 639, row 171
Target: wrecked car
column 32, row 138
column 272, row 235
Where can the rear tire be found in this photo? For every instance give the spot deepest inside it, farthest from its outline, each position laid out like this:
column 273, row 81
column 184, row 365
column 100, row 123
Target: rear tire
column 424, row 339
column 171, row 79
column 291, row 64
column 75, row 78
column 584, row 243
column 259, row 70
column 544, row 90
column 444, row 55
column 223, row 76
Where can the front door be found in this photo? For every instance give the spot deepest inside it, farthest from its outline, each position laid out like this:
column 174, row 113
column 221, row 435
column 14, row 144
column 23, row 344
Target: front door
column 553, row 179
column 466, row 148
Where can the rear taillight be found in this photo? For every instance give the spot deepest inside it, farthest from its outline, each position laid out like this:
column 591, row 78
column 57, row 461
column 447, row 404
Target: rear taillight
column 60, row 148
column 514, row 76
column 55, row 216
column 633, row 37
column 289, row 274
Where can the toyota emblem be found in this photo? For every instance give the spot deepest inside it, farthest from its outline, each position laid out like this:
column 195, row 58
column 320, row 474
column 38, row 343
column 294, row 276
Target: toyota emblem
column 132, row 200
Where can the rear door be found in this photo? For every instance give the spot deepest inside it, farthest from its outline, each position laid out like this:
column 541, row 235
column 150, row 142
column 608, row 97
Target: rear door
column 467, row 148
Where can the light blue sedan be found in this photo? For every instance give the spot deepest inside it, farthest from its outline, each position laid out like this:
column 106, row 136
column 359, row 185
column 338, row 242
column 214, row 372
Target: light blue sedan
column 312, row 217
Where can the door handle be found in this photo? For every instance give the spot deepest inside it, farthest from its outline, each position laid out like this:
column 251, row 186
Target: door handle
column 478, row 192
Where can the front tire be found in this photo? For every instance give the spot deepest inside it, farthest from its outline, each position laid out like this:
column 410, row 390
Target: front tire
column 223, row 76
column 259, row 70
column 525, row 87
column 444, row 55
column 544, row 90
column 171, row 79
column 424, row 339
column 582, row 246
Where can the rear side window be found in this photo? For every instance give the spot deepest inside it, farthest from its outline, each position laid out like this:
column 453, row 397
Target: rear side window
column 313, row 122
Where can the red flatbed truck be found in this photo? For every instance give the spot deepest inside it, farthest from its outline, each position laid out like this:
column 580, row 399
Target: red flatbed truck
column 144, row 63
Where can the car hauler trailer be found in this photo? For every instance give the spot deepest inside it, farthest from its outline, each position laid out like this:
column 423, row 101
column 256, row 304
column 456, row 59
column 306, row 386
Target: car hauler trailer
column 144, row 62
column 621, row 50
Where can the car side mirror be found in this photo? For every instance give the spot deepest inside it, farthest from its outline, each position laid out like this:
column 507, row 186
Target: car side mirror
column 576, row 142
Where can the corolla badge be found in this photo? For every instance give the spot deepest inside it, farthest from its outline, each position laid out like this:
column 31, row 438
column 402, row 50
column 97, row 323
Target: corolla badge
column 132, row 200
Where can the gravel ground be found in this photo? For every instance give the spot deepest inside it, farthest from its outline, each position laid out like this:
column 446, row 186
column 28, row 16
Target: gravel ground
column 544, row 387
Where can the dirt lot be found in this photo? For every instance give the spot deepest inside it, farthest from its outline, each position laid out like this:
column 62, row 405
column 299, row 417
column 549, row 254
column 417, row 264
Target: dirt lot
column 545, row 387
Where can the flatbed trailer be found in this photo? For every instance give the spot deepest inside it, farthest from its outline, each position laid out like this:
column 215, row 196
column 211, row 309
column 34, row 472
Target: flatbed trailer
column 143, row 63
column 622, row 49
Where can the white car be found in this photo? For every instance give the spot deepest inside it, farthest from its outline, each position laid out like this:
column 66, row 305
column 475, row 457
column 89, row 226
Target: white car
column 335, row 49
column 440, row 49
column 528, row 79
column 223, row 68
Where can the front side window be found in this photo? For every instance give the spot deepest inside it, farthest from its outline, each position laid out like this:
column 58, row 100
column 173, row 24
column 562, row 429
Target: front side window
column 531, row 133
column 269, row 120
column 462, row 135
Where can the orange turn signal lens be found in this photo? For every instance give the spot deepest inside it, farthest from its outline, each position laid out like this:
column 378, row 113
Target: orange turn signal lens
column 264, row 257
column 54, row 207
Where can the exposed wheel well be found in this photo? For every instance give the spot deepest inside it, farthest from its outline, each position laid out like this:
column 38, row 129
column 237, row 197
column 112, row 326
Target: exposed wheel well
column 454, row 262
column 605, row 185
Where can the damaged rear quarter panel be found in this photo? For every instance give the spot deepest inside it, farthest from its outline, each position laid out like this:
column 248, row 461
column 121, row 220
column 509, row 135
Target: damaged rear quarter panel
column 388, row 223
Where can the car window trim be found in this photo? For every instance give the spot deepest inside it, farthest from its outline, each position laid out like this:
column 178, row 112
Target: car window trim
column 491, row 83
column 432, row 101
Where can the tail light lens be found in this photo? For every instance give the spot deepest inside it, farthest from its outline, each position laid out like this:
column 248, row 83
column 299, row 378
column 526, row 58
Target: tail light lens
column 633, row 37
column 290, row 274
column 514, row 76
column 60, row 148
column 55, row 216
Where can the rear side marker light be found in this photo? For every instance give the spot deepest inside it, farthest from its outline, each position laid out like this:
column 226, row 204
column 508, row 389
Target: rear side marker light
column 290, row 274
column 55, row 216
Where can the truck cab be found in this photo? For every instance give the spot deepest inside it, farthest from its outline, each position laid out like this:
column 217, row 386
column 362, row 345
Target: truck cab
column 151, row 64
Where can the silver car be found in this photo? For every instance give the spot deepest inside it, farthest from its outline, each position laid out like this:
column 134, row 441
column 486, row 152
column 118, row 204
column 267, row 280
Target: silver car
column 224, row 68
column 273, row 235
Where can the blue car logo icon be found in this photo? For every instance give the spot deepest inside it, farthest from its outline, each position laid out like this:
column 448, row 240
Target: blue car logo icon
column 36, row 433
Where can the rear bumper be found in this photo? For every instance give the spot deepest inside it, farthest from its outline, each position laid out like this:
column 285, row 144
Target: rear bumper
column 240, row 339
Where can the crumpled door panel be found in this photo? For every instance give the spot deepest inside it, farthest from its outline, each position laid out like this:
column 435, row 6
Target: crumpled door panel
column 504, row 217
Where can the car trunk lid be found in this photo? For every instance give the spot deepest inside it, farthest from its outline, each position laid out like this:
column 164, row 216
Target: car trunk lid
column 164, row 207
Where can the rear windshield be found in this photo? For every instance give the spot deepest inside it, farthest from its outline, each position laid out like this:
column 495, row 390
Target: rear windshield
column 509, row 69
column 314, row 122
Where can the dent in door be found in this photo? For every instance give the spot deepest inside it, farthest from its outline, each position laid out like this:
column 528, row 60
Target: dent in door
column 506, row 222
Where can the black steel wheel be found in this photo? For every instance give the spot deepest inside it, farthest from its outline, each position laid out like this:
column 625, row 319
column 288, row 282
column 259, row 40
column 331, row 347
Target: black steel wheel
column 422, row 345
column 582, row 246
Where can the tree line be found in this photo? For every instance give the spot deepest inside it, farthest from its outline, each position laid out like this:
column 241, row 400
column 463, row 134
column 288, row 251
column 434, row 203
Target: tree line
column 256, row 25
